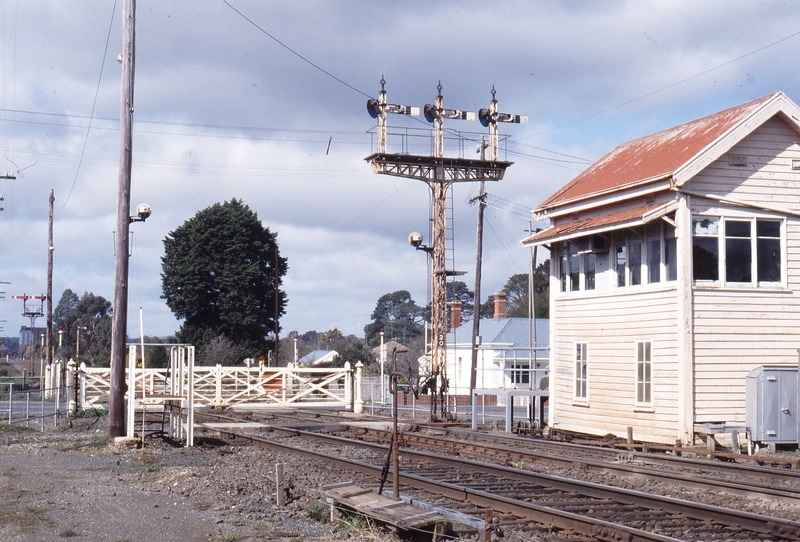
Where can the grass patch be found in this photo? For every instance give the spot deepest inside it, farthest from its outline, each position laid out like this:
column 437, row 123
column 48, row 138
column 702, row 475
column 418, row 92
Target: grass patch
column 149, row 462
column 67, row 534
column 359, row 526
column 27, row 518
column 318, row 512
column 6, row 428
column 92, row 413
column 231, row 537
column 93, row 442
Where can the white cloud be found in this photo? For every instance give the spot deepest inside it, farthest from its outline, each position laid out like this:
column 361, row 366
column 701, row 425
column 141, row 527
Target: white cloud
column 223, row 111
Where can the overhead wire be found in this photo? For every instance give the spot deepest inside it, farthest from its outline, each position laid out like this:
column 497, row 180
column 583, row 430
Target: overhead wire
column 647, row 95
column 94, row 105
column 509, row 206
column 489, row 223
column 298, row 55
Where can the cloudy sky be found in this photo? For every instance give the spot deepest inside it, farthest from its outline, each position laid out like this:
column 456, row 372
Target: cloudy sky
column 264, row 100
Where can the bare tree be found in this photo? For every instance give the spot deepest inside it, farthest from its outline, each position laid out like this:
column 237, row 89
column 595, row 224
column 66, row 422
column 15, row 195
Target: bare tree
column 219, row 350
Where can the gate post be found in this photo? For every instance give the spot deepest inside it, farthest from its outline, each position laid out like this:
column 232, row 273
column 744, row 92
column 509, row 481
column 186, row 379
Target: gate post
column 358, row 408
column 218, row 383
column 48, row 371
column 82, row 386
column 72, row 385
column 347, row 378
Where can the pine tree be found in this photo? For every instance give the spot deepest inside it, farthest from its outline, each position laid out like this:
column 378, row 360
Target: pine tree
column 219, row 276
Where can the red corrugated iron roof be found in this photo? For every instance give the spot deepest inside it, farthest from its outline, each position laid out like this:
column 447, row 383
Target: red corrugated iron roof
column 652, row 157
column 598, row 224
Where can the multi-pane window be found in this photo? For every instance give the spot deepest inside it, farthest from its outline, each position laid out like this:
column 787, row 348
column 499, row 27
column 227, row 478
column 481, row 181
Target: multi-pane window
column 670, row 253
column 639, row 255
column 581, row 373
column 576, row 268
column 644, row 373
column 521, row 373
column 736, row 250
column 645, row 255
column 653, row 247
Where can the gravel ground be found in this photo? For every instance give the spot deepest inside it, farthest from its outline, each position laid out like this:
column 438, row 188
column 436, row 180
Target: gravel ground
column 69, row 483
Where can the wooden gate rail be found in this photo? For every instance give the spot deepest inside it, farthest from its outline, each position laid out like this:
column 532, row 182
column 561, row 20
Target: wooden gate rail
column 218, row 386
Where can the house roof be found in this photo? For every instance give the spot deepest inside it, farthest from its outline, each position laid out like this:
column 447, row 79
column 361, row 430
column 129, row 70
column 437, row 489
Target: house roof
column 391, row 348
column 600, row 224
column 318, row 357
column 664, row 154
column 505, row 331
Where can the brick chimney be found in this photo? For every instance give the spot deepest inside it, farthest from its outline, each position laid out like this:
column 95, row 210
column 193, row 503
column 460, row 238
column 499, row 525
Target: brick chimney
column 455, row 314
column 499, row 305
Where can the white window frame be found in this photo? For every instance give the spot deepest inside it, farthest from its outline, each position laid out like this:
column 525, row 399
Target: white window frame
column 580, row 365
column 640, row 233
column 643, row 355
column 722, row 252
column 565, row 254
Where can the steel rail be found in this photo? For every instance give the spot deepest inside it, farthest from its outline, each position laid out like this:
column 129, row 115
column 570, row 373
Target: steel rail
column 768, row 482
column 698, row 481
column 785, row 529
column 731, row 459
column 601, row 529
column 778, row 485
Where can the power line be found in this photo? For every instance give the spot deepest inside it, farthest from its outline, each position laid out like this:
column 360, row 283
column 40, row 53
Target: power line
column 488, row 223
column 298, row 55
column 94, row 105
column 508, row 206
column 606, row 110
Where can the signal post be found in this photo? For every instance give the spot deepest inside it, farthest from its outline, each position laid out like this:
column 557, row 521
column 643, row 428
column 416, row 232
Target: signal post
column 439, row 173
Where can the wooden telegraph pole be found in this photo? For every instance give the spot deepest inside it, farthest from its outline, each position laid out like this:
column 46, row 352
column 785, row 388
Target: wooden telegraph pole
column 50, row 248
column 119, row 322
column 476, row 315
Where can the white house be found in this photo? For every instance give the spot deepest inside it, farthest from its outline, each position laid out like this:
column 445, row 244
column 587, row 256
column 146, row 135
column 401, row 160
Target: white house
column 505, row 357
column 675, row 271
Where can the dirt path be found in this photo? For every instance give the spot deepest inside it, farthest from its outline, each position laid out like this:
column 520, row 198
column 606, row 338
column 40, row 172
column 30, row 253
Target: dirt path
column 69, row 483
column 60, row 489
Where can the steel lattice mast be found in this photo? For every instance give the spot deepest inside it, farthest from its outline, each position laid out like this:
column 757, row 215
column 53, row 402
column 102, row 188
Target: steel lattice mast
column 439, row 173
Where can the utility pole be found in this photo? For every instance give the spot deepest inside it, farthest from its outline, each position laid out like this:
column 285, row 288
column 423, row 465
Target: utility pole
column 119, row 323
column 277, row 309
column 489, row 118
column 50, row 248
column 476, row 316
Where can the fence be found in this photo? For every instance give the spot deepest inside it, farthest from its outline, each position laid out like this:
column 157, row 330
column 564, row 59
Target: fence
column 217, row 386
column 32, row 407
column 510, row 380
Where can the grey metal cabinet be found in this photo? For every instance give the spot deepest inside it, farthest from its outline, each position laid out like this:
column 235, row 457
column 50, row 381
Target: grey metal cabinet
column 771, row 408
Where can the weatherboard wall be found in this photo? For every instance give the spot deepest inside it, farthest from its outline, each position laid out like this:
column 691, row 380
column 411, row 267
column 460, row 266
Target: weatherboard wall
column 610, row 325
column 739, row 329
column 733, row 329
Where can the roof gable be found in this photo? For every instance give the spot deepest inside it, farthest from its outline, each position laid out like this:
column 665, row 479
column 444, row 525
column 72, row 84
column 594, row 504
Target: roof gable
column 678, row 153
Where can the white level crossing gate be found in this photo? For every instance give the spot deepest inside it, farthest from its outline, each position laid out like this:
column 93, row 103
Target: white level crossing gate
column 218, row 386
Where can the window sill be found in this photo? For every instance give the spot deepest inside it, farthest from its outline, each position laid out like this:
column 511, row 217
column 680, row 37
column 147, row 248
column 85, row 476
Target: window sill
column 579, row 403
column 644, row 409
column 619, row 290
column 716, row 287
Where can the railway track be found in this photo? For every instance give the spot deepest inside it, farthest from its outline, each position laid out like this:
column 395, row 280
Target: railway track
column 594, row 510
column 738, row 479
column 778, row 485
